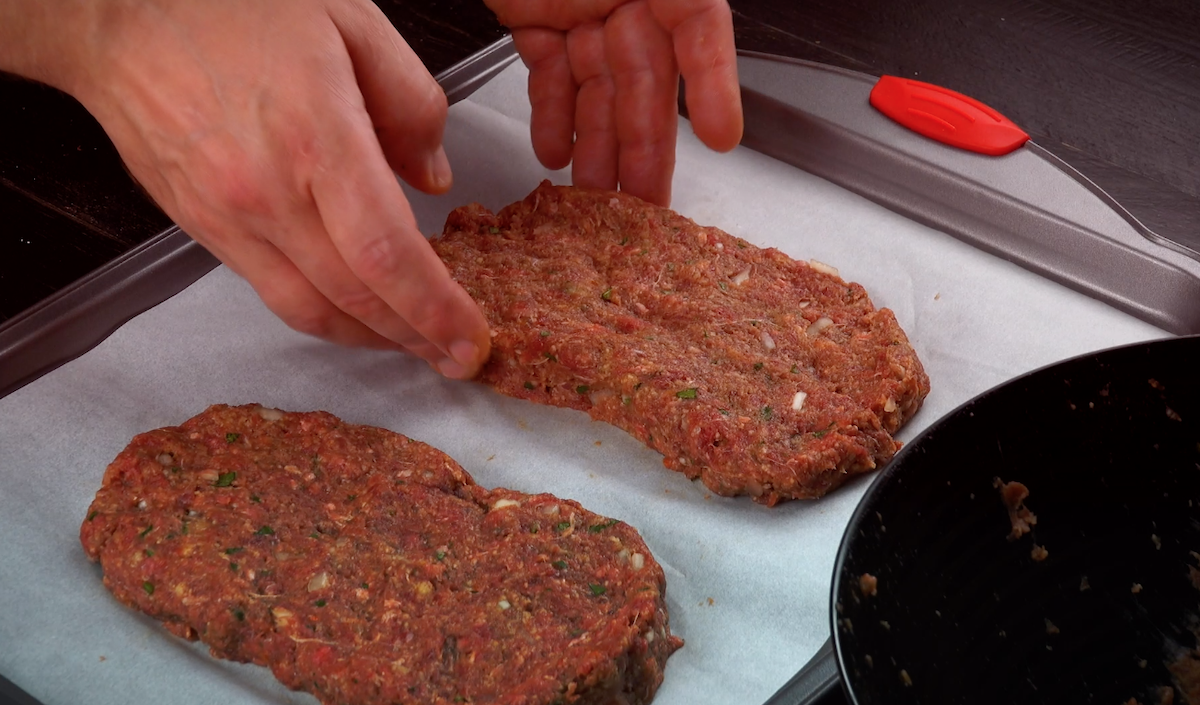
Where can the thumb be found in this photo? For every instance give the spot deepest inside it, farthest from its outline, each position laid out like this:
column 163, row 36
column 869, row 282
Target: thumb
column 407, row 107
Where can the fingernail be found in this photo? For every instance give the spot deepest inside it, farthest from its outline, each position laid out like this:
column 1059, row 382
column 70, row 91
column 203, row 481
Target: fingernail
column 464, row 352
column 462, row 360
column 440, row 176
column 450, row 368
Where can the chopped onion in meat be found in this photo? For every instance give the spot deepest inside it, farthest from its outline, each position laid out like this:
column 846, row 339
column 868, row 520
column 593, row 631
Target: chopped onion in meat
column 822, row 267
column 819, row 325
column 270, row 414
column 320, row 581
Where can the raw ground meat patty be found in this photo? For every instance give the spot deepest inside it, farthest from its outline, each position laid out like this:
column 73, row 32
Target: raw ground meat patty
column 754, row 372
column 367, row 568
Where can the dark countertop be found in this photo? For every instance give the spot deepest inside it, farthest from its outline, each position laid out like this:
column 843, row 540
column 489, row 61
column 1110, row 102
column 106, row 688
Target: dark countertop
column 1112, row 89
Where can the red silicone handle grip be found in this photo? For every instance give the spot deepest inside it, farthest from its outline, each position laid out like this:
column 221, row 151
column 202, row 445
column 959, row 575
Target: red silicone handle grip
column 946, row 116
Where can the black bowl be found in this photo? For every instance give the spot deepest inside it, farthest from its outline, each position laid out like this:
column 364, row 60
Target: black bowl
column 1108, row 445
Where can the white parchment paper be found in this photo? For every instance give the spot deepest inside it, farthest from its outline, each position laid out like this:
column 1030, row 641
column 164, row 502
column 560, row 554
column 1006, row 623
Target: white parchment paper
column 747, row 586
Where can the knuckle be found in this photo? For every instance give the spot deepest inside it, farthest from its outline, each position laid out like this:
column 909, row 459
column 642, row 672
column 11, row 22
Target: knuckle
column 359, row 302
column 229, row 178
column 425, row 311
column 430, row 308
column 376, row 260
column 303, row 313
column 300, row 142
column 243, row 192
column 431, row 109
column 436, row 99
column 317, row 323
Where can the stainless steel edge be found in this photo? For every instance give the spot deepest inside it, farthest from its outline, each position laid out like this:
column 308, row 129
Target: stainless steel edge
column 1026, row 207
column 465, row 77
column 1112, row 202
column 10, row 694
column 818, row 682
column 79, row 317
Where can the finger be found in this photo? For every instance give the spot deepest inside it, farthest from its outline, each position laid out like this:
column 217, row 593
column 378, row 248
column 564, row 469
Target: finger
column 308, row 247
column 552, row 92
column 554, row 14
column 291, row 297
column 647, row 86
column 373, row 230
column 702, row 31
column 407, row 106
column 595, row 153
column 280, row 247
column 289, row 294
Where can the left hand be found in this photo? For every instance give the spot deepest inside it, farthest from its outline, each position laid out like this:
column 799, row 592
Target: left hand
column 604, row 81
column 270, row 131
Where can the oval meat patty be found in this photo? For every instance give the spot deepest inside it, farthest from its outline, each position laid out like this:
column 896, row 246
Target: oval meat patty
column 368, row 568
column 756, row 373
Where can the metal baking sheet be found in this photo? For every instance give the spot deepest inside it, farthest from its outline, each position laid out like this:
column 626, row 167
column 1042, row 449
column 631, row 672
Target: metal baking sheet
column 74, row 320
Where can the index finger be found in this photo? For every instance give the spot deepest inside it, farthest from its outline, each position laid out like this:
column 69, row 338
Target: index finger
column 702, row 33
column 373, row 228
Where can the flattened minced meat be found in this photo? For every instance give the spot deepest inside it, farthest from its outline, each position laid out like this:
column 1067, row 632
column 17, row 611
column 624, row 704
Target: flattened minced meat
column 754, row 372
column 368, row 568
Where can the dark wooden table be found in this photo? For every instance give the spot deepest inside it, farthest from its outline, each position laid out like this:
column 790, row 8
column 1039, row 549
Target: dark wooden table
column 1111, row 86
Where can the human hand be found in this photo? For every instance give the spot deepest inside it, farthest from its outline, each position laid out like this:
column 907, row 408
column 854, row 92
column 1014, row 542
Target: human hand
column 269, row 131
column 603, row 83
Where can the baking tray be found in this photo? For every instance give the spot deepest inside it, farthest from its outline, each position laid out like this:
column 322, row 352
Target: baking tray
column 159, row 273
column 77, row 318
column 788, row 117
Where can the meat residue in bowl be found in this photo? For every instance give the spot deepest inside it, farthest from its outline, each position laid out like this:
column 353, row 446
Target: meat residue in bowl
column 1186, row 668
column 1021, row 517
column 868, row 584
column 1166, row 696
